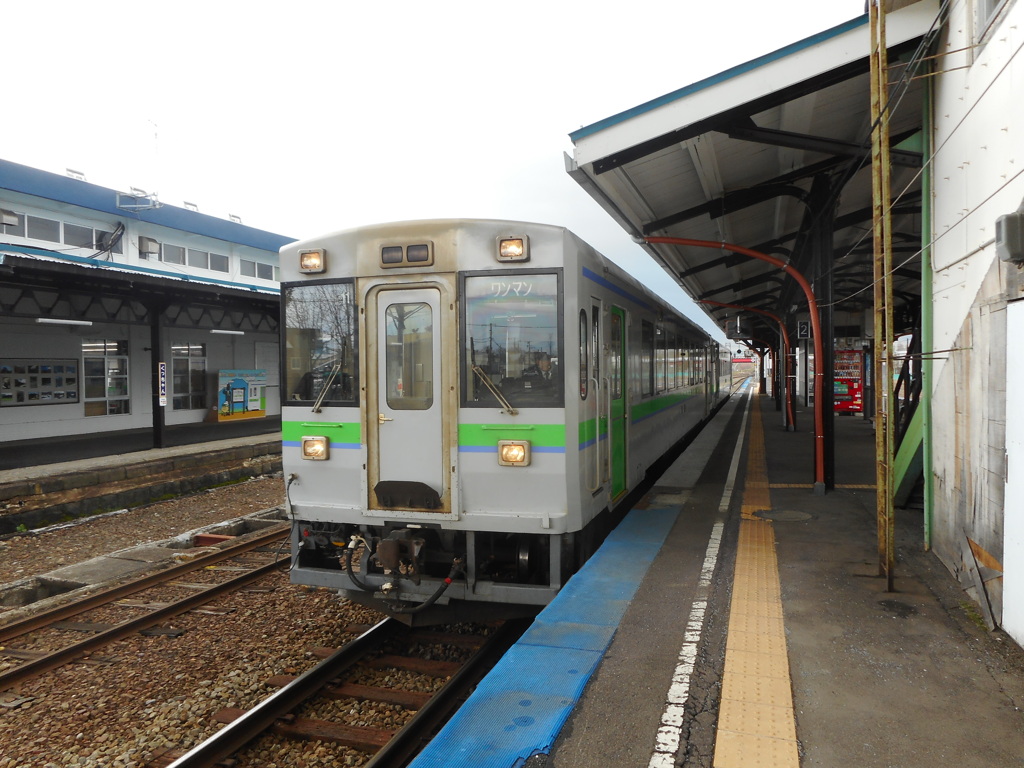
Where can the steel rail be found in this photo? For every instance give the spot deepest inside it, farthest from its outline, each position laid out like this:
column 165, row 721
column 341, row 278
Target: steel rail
column 407, row 741
column 411, row 737
column 237, row 734
column 45, row 618
column 72, row 652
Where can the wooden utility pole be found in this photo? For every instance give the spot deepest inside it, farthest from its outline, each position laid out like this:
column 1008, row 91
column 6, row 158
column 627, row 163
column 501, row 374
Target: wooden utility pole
column 883, row 318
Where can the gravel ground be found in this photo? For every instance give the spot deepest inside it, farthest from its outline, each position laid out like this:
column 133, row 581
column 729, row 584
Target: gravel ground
column 25, row 555
column 148, row 694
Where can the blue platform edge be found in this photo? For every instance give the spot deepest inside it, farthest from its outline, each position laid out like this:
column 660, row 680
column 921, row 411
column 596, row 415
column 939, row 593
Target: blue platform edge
column 519, row 708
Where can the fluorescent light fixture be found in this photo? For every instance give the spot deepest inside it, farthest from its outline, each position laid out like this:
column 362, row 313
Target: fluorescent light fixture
column 58, row 321
column 228, row 333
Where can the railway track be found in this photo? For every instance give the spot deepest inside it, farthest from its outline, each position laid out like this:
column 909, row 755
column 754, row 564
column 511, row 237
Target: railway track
column 282, row 712
column 36, row 634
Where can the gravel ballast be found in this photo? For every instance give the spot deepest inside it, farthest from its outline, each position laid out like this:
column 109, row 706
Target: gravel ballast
column 149, row 694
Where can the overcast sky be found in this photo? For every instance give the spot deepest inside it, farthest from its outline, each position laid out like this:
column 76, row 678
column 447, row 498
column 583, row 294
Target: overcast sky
column 308, row 117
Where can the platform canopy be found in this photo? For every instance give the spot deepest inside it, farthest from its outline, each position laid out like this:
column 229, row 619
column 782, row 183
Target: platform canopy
column 774, row 155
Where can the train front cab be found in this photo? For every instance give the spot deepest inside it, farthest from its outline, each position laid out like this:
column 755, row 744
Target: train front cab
column 381, row 456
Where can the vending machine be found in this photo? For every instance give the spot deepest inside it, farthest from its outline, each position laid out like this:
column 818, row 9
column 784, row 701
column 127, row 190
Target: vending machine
column 849, row 381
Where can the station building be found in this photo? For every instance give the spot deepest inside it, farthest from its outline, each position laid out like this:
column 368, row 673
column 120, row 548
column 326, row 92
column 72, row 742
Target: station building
column 120, row 314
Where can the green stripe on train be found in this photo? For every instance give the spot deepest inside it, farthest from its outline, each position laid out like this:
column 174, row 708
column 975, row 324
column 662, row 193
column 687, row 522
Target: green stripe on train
column 335, row 431
column 486, row 435
column 588, row 430
column 649, row 407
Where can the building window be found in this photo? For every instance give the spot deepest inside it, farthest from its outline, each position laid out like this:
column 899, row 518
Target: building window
column 43, row 229
column 987, row 11
column 188, row 376
column 204, row 260
column 219, row 262
column 173, row 254
column 105, row 377
column 79, row 237
column 75, row 235
column 109, row 241
column 258, row 269
column 200, row 259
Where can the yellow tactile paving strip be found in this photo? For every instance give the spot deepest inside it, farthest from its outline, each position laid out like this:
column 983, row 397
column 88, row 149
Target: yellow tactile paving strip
column 756, row 725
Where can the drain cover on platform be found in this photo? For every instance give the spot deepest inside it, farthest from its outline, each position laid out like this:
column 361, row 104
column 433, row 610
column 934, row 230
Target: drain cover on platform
column 784, row 515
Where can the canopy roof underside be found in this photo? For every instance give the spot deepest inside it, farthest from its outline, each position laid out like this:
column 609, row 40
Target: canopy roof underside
column 774, row 156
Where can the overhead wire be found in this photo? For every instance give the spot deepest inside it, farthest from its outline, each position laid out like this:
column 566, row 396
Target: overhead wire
column 930, row 162
column 936, row 239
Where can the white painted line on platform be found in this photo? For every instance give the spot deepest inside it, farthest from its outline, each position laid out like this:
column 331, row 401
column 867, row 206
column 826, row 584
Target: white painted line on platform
column 669, row 736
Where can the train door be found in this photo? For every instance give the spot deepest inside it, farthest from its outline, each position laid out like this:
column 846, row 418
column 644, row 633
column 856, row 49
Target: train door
column 405, row 413
column 596, row 472
column 617, row 428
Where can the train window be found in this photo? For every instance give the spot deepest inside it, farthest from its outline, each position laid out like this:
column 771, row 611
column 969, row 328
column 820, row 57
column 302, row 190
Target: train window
column 409, row 356
column 659, row 358
column 670, row 360
column 646, row 358
column 512, row 339
column 320, row 343
column 615, row 355
column 584, row 345
column 678, row 354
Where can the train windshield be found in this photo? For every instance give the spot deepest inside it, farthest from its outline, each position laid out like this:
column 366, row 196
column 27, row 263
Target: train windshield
column 320, row 343
column 512, row 338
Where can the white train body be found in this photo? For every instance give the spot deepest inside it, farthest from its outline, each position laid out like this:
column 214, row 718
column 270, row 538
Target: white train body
column 458, row 424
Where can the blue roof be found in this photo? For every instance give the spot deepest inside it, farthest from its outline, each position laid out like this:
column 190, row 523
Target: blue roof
column 62, row 189
column 714, row 80
column 184, row 277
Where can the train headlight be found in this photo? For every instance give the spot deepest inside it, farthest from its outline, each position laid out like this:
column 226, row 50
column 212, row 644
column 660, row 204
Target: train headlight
column 315, row 448
column 514, row 249
column 314, row 260
column 514, row 453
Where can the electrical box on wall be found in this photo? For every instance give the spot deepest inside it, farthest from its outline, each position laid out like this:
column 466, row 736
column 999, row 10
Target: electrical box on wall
column 1010, row 237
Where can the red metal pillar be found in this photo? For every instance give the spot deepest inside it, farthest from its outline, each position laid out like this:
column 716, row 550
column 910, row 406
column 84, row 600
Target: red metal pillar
column 812, row 306
column 786, row 355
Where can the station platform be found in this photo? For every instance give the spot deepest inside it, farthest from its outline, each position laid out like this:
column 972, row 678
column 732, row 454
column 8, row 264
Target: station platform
column 23, row 458
column 58, row 479
column 736, row 619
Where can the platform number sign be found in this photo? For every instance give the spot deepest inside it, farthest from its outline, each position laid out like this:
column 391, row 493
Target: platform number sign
column 162, row 383
column 803, row 329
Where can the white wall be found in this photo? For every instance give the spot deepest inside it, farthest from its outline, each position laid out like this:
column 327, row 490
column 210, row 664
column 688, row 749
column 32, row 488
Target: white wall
column 1013, row 524
column 978, row 146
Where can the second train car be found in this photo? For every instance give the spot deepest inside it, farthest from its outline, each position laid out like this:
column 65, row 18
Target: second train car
column 464, row 403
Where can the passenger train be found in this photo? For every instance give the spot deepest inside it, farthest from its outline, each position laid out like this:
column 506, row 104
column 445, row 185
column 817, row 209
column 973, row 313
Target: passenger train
column 465, row 402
